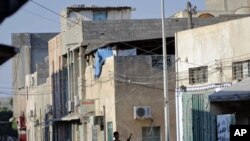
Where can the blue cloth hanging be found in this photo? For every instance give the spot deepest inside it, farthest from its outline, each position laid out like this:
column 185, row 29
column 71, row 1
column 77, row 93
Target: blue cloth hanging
column 100, row 56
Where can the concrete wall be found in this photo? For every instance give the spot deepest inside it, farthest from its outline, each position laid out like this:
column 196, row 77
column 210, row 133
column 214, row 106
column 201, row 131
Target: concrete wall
column 21, row 62
column 33, row 49
column 119, row 14
column 103, row 91
column 225, row 42
column 55, row 52
column 223, row 5
column 57, row 78
column 87, row 15
column 38, row 98
column 72, row 37
column 124, row 30
column 39, row 48
column 119, row 97
column 19, row 102
column 142, row 89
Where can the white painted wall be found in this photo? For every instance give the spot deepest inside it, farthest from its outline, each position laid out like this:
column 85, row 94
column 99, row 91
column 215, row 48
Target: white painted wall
column 87, row 15
column 227, row 42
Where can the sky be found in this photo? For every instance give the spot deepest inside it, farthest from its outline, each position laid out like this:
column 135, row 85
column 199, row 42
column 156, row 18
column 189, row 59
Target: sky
column 34, row 19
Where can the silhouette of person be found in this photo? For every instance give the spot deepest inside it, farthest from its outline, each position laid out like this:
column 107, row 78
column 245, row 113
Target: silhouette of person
column 116, row 136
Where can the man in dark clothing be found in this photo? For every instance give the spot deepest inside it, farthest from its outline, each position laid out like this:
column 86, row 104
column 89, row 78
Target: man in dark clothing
column 116, row 136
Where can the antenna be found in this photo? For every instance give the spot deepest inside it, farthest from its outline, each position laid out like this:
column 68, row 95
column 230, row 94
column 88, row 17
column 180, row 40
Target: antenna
column 191, row 11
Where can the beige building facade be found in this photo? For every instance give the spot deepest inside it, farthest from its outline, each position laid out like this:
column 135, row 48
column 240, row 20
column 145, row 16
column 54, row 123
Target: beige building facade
column 209, row 59
column 216, row 46
column 127, row 82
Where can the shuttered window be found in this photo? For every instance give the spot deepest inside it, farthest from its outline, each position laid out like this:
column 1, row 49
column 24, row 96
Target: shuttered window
column 241, row 70
column 198, row 75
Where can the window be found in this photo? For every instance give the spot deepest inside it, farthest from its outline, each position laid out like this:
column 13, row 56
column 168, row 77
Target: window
column 99, row 15
column 198, row 75
column 151, row 133
column 241, row 70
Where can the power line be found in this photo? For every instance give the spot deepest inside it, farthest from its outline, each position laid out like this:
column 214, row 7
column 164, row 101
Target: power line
column 127, row 44
column 40, row 16
column 46, row 8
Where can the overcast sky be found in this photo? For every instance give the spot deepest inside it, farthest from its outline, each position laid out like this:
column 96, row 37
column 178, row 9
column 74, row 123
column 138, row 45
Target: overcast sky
column 32, row 18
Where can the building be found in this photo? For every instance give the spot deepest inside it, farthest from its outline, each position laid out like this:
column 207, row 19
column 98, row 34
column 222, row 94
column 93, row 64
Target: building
column 77, row 13
column 67, row 65
column 33, row 48
column 78, row 109
column 38, row 106
column 209, row 59
column 89, row 114
column 216, row 8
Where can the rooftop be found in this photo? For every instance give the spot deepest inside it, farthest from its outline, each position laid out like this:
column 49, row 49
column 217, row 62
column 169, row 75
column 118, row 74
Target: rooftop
column 81, row 7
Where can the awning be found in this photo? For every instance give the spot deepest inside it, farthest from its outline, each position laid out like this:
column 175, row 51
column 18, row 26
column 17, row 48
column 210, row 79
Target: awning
column 232, row 100
column 237, row 92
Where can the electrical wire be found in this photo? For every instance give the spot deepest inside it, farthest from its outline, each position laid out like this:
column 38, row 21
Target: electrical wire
column 112, row 38
column 40, row 16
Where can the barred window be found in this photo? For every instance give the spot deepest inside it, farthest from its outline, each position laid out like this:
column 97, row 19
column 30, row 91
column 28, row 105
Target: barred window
column 241, row 70
column 198, row 75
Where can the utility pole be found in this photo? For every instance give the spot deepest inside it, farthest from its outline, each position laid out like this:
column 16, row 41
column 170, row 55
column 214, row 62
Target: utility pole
column 165, row 82
column 191, row 11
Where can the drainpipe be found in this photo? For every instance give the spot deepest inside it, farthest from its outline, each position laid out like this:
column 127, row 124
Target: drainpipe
column 68, row 65
column 104, row 123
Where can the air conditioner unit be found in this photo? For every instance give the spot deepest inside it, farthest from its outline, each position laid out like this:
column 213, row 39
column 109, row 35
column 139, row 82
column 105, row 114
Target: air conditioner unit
column 76, row 101
column 31, row 113
column 70, row 106
column 142, row 112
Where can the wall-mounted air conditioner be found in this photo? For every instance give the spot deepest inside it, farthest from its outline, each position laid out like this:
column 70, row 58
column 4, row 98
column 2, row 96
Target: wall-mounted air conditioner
column 70, row 106
column 142, row 112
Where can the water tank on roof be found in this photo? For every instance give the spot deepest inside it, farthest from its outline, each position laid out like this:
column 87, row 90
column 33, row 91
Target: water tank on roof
column 205, row 15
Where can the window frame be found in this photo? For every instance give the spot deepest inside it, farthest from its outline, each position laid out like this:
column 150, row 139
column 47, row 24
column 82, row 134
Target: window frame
column 198, row 75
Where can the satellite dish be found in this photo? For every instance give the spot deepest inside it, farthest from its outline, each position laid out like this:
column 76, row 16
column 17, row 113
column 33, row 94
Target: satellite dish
column 46, row 59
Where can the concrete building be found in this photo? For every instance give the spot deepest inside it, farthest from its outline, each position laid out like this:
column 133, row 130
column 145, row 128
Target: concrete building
column 77, row 114
column 72, row 51
column 38, row 107
column 33, row 48
column 76, row 13
column 125, row 86
column 209, row 59
column 65, row 120
column 216, row 8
